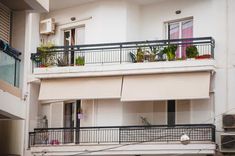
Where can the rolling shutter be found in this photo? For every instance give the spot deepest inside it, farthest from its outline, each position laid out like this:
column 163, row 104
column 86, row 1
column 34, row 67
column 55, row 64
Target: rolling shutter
column 81, row 88
column 5, row 23
column 174, row 86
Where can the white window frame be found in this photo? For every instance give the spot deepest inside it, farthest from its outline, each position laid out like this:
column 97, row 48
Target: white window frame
column 180, row 21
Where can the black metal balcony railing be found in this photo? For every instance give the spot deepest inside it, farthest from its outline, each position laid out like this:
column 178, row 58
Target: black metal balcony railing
column 125, row 52
column 121, row 134
column 9, row 64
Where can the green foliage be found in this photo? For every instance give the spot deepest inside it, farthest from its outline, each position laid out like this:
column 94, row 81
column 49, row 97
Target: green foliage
column 170, row 52
column 191, row 51
column 140, row 55
column 153, row 54
column 80, row 61
column 46, row 47
column 47, row 57
column 153, row 49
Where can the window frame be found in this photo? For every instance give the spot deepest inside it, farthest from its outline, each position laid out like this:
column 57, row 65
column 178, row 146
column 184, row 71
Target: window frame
column 180, row 21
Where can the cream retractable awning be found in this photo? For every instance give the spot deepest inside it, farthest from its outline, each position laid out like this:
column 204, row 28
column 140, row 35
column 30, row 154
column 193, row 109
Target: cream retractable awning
column 81, row 88
column 166, row 86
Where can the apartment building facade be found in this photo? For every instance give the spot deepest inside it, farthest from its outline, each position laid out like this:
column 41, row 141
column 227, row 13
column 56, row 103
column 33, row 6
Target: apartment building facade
column 119, row 78
column 14, row 38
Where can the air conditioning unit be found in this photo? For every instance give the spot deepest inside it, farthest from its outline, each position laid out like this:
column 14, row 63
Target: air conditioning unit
column 47, row 26
column 227, row 143
column 229, row 121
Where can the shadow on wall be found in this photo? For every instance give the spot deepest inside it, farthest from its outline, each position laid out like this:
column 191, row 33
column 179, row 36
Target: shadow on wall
column 11, row 137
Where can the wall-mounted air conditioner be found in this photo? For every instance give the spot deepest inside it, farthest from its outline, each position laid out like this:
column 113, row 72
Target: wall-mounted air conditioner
column 227, row 143
column 47, row 26
column 229, row 121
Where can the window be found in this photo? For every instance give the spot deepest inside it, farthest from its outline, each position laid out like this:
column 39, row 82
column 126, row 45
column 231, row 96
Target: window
column 75, row 36
column 5, row 23
column 180, row 29
column 71, row 120
column 171, row 112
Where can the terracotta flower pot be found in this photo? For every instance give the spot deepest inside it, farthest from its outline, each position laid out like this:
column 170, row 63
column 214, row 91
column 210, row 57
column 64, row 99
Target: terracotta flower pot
column 207, row 56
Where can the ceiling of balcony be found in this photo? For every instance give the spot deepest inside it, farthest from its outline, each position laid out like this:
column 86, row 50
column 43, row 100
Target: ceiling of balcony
column 16, row 5
column 61, row 4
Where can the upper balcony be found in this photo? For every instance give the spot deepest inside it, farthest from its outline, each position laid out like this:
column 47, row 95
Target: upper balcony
column 142, row 57
column 12, row 106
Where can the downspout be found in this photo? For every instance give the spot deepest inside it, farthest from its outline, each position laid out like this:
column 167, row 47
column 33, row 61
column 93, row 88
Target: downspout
column 227, row 53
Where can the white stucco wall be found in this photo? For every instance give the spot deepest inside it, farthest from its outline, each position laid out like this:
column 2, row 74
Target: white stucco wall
column 33, row 106
column 13, row 105
column 231, row 55
column 133, row 22
column 88, row 108
column 101, row 28
column 112, row 108
column 107, row 112
column 12, row 137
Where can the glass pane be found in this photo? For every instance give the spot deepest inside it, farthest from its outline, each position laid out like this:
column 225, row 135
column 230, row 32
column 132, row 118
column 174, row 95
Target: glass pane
column 68, row 122
column 67, row 34
column 187, row 29
column 187, row 32
column 17, row 77
column 175, row 34
column 174, row 30
column 67, row 38
column 7, row 68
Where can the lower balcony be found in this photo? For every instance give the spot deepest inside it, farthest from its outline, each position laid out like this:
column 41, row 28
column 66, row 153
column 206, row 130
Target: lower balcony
column 124, row 140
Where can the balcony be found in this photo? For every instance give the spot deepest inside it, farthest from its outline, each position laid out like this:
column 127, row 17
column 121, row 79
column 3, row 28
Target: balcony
column 9, row 64
column 124, row 57
column 159, row 135
column 120, row 134
column 12, row 106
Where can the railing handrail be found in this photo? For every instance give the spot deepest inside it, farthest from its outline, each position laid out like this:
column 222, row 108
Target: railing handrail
column 124, row 52
column 121, row 134
column 134, row 126
column 6, row 48
column 121, row 44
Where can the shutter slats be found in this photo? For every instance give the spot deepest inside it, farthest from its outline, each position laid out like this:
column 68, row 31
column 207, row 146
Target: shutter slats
column 5, row 23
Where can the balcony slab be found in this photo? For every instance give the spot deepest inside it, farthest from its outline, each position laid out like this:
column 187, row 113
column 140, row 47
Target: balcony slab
column 124, row 69
column 127, row 149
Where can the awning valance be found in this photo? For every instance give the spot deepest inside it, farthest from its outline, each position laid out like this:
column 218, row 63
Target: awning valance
column 81, row 88
column 166, row 86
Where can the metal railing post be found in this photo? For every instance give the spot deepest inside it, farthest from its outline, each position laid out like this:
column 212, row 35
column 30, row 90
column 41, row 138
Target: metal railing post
column 120, row 53
column 213, row 133
column 212, row 47
column 34, row 137
column 119, row 137
column 29, row 141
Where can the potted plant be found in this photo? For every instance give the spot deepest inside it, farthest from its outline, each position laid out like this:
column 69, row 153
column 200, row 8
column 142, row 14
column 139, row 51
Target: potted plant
column 46, row 55
column 191, row 52
column 140, row 55
column 80, row 61
column 153, row 53
column 205, row 56
column 170, row 52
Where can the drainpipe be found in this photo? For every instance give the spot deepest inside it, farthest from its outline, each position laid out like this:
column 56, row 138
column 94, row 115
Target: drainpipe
column 227, row 53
